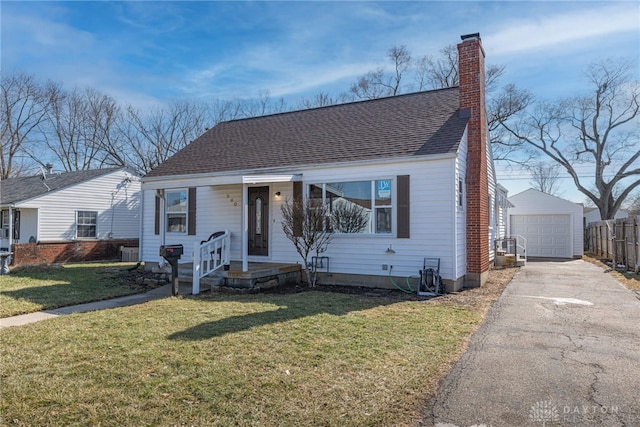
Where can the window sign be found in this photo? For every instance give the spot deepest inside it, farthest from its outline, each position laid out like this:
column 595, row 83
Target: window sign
column 383, row 188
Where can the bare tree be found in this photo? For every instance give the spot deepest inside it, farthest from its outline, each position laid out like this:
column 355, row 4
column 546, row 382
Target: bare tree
column 380, row 83
column 348, row 217
column 79, row 127
column 261, row 105
column 152, row 138
column 320, row 99
column 303, row 222
column 23, row 106
column 634, row 206
column 442, row 72
column 545, row 177
column 501, row 107
column 600, row 130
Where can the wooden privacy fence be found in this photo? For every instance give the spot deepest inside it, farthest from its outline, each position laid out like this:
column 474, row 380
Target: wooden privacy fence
column 617, row 240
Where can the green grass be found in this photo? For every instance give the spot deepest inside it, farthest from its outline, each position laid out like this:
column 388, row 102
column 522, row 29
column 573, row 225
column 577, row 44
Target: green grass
column 313, row 358
column 31, row 289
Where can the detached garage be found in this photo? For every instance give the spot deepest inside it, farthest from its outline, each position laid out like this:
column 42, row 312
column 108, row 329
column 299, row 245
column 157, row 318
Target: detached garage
column 551, row 226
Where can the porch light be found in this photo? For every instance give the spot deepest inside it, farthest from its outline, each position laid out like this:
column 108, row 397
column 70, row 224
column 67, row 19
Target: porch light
column 278, row 194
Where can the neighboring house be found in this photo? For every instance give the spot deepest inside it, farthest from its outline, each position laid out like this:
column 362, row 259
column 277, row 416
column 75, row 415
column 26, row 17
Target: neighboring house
column 502, row 206
column 417, row 165
column 593, row 215
column 551, row 226
column 70, row 216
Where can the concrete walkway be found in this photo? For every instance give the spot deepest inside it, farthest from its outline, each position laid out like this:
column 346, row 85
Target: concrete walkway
column 24, row 319
column 561, row 347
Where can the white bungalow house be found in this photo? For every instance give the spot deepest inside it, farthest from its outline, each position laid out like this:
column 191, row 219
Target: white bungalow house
column 70, row 216
column 418, row 165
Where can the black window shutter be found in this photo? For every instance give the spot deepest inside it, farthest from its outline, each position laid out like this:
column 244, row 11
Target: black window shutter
column 16, row 225
column 403, row 225
column 156, row 223
column 191, row 214
column 297, row 202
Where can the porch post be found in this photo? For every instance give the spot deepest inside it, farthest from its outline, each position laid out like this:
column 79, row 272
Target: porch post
column 10, row 228
column 197, row 263
column 245, row 228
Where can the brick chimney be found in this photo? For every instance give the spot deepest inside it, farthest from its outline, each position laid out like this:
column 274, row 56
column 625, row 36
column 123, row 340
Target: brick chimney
column 472, row 102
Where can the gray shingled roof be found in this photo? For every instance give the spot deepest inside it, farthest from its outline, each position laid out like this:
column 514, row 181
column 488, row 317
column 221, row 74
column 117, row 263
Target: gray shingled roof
column 422, row 123
column 15, row 190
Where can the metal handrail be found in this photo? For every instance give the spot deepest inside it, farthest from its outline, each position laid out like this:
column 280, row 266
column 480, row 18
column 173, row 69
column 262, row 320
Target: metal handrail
column 523, row 245
column 209, row 256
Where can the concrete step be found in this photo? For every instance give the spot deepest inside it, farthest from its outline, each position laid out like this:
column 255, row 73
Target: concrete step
column 206, row 283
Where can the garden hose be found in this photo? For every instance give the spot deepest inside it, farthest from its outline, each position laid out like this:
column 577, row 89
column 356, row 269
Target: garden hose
column 406, row 291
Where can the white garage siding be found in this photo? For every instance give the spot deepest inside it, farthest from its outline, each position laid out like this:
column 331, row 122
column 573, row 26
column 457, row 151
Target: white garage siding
column 551, row 225
column 547, row 235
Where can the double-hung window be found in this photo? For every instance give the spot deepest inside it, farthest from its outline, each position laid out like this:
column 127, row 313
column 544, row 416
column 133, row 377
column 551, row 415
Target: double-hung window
column 356, row 207
column 176, row 211
column 86, row 224
column 4, row 224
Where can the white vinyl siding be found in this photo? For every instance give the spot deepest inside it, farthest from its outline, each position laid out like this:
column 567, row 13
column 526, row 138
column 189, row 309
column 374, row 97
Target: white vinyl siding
column 459, row 238
column 433, row 218
column 116, row 202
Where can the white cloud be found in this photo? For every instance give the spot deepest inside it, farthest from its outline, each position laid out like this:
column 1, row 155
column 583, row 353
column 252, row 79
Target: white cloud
column 551, row 31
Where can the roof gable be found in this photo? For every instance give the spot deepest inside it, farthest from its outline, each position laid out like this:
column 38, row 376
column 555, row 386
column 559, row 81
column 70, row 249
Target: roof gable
column 15, row 190
column 533, row 196
column 422, row 123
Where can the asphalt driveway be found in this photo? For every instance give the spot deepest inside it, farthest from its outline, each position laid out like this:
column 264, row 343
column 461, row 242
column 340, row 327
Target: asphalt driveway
column 561, row 347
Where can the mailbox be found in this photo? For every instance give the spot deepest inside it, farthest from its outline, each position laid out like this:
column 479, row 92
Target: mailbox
column 172, row 254
column 171, row 251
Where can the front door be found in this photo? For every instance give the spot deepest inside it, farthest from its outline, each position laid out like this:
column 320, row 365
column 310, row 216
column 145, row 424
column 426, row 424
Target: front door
column 259, row 221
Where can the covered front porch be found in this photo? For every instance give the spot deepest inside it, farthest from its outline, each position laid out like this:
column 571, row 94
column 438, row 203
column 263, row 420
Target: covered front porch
column 258, row 275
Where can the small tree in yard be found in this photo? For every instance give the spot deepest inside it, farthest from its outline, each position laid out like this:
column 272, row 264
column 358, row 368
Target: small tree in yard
column 304, row 223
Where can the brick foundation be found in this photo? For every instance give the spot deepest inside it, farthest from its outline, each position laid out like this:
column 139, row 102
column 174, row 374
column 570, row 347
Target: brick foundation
column 60, row 252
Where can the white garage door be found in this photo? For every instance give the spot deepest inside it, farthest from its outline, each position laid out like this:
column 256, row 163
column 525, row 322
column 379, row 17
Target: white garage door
column 547, row 235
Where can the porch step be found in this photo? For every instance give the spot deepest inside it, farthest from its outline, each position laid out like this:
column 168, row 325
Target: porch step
column 208, row 283
column 259, row 276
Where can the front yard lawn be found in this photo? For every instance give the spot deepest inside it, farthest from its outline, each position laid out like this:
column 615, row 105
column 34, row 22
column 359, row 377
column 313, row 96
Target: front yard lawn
column 310, row 358
column 31, row 289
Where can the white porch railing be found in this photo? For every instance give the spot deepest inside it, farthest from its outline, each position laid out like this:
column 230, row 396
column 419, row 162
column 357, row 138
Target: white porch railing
column 210, row 255
column 510, row 250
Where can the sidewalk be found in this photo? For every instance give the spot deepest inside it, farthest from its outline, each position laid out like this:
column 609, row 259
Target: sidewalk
column 559, row 348
column 24, row 319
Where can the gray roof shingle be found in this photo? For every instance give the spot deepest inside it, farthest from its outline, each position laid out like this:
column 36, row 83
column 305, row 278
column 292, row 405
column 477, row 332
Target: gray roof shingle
column 422, row 123
column 15, row 190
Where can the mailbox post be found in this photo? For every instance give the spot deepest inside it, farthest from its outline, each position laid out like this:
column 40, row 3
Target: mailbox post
column 172, row 254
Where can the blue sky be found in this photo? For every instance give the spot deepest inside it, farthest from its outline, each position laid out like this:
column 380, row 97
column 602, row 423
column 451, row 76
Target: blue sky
column 146, row 53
